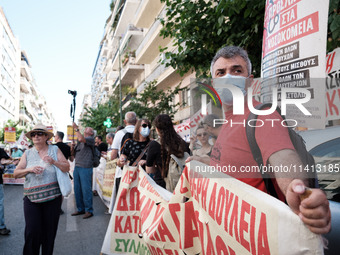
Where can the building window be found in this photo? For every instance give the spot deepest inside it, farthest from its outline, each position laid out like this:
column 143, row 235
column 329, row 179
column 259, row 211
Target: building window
column 185, row 98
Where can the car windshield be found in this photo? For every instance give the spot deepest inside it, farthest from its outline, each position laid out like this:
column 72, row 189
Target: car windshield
column 330, row 149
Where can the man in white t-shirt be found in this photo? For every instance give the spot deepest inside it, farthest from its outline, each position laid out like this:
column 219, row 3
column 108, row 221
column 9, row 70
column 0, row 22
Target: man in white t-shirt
column 130, row 122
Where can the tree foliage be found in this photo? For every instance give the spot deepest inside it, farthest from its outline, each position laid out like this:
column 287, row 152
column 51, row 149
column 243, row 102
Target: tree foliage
column 333, row 25
column 147, row 104
column 199, row 28
column 152, row 102
column 18, row 129
column 95, row 117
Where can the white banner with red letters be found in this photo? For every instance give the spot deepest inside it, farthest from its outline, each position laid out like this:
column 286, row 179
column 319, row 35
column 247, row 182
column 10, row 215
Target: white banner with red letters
column 204, row 216
column 22, row 141
column 294, row 46
column 189, row 126
column 333, row 85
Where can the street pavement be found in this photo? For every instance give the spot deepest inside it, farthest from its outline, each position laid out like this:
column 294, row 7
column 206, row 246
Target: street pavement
column 75, row 234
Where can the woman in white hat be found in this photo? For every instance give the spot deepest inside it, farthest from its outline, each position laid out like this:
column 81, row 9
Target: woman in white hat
column 42, row 196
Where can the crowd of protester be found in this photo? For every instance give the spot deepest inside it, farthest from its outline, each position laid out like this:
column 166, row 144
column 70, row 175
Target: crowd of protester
column 140, row 142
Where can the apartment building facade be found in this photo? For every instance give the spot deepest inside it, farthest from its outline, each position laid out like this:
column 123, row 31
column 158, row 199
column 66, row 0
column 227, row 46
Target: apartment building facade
column 10, row 72
column 33, row 106
column 20, row 99
column 129, row 55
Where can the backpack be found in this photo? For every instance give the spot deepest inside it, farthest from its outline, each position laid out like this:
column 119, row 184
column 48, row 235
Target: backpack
column 127, row 136
column 96, row 156
column 298, row 143
column 176, row 166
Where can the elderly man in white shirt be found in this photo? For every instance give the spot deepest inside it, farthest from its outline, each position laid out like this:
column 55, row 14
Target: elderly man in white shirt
column 130, row 122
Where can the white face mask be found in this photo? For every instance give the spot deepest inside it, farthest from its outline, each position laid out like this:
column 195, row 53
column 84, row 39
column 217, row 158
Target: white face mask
column 224, row 93
column 145, row 131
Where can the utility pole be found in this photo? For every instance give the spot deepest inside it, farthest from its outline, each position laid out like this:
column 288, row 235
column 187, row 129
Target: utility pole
column 120, row 83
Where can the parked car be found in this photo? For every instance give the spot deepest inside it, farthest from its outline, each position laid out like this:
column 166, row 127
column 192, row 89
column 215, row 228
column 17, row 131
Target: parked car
column 324, row 145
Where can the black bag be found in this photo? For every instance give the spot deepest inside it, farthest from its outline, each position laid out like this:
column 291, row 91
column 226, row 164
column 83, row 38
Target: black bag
column 298, row 143
column 128, row 136
column 96, row 156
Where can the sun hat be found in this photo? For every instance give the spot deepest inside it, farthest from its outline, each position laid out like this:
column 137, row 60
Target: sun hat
column 39, row 128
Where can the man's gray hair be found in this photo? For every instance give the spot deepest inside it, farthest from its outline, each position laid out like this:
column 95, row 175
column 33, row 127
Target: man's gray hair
column 231, row 52
column 92, row 131
column 111, row 135
column 131, row 118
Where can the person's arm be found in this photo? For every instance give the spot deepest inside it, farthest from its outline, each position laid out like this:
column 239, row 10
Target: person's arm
column 204, row 159
column 22, row 171
column 71, row 158
column 61, row 161
column 314, row 210
column 153, row 152
column 114, row 154
column 292, row 181
column 80, row 137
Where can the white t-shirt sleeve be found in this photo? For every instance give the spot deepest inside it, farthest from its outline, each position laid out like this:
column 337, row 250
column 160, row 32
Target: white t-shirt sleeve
column 117, row 140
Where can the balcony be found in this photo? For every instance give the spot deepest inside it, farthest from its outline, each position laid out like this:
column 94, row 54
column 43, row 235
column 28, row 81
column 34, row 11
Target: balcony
column 112, row 76
column 24, row 116
column 129, row 42
column 148, row 49
column 105, row 87
column 147, row 10
column 25, row 70
column 126, row 16
column 25, row 85
column 131, row 71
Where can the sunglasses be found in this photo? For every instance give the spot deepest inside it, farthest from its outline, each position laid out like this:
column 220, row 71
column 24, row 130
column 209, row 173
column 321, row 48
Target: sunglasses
column 202, row 134
column 33, row 134
column 146, row 125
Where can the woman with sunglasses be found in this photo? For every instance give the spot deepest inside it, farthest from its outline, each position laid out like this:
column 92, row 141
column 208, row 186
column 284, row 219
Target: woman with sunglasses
column 201, row 154
column 203, row 138
column 42, row 196
column 136, row 146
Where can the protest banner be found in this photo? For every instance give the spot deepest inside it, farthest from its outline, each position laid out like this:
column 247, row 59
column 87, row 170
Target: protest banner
column 8, row 176
column 71, row 135
column 105, row 175
column 207, row 214
column 333, row 85
column 294, row 46
column 184, row 129
column 10, row 133
column 22, row 141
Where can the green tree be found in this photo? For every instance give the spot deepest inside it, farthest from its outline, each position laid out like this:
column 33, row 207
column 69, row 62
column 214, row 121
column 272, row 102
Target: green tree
column 95, row 117
column 18, row 130
column 199, row 28
column 333, row 25
column 152, row 102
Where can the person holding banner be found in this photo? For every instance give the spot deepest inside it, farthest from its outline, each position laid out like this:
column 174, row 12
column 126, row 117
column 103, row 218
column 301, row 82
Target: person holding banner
column 158, row 158
column 42, row 196
column 130, row 122
column 232, row 148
